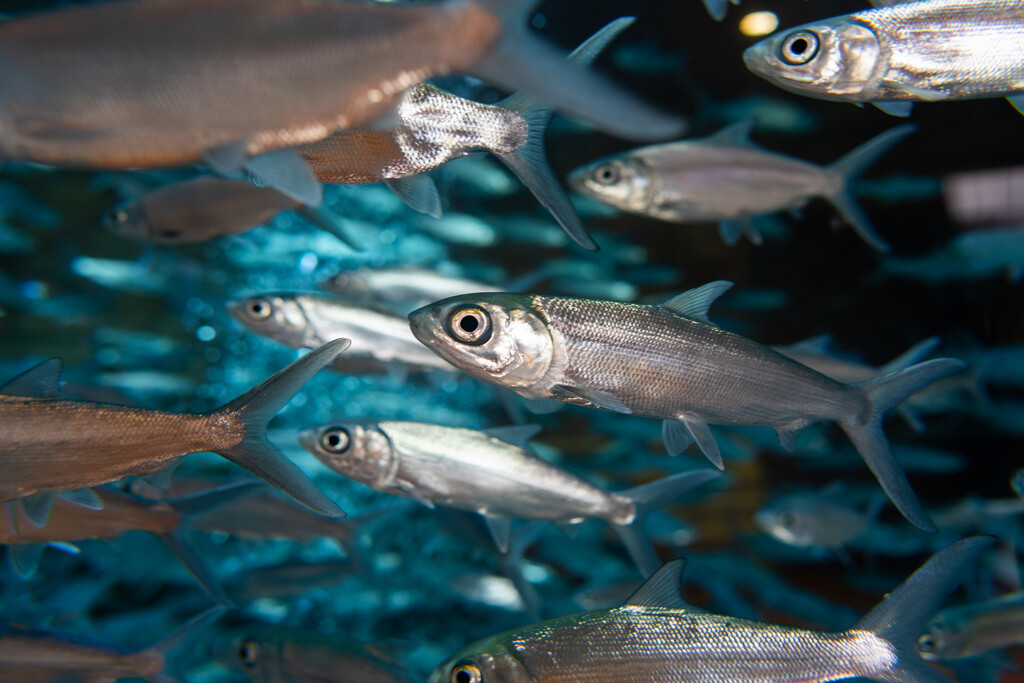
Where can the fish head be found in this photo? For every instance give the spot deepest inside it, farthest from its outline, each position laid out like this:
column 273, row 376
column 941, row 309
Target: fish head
column 940, row 640
column 254, row 653
column 624, row 181
column 359, row 451
column 498, row 337
column 789, row 523
column 487, row 661
column 351, row 284
column 128, row 219
column 836, row 59
column 280, row 317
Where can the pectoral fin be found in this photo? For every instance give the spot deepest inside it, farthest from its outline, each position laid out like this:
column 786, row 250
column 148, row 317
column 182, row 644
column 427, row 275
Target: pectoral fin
column 24, row 559
column 501, row 531
column 37, row 509
column 901, row 108
column 419, row 192
column 592, row 397
column 288, row 173
column 676, row 437
column 701, row 433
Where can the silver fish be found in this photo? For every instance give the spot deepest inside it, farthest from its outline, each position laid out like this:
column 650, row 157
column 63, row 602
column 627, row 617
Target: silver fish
column 727, row 179
column 656, row 636
column 281, row 656
column 379, row 337
column 926, row 51
column 668, row 362
column 399, row 285
column 812, row 521
column 487, row 472
column 966, row 631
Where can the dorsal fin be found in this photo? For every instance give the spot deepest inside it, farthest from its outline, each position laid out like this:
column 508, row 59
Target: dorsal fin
column 663, row 590
column 694, row 303
column 736, row 133
column 40, row 381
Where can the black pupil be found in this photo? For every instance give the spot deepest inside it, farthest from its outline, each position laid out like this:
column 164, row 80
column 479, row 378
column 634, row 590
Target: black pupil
column 607, row 174
column 463, row 677
column 333, row 439
column 257, row 309
column 469, row 323
column 799, row 46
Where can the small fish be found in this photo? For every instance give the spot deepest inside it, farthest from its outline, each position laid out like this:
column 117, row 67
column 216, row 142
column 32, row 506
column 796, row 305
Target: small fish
column 435, row 127
column 668, row 362
column 203, row 208
column 399, row 284
column 656, row 636
column 280, row 656
column 972, row 629
column 728, row 179
column 288, row 579
column 49, row 445
column 975, row 255
column 812, row 521
column 196, row 80
column 29, row 656
column 489, row 472
column 379, row 337
column 927, row 51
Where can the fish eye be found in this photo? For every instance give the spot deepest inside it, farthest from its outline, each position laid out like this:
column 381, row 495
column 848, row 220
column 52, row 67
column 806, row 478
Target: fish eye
column 800, row 47
column 470, row 325
column 116, row 217
column 335, row 440
column 259, row 309
column 787, row 518
column 926, row 643
column 248, row 652
column 466, row 672
column 607, row 174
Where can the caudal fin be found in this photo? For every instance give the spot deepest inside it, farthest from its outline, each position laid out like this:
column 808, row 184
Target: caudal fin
column 521, row 61
column 255, row 408
column 650, row 497
column 884, row 393
column 903, row 614
column 852, row 165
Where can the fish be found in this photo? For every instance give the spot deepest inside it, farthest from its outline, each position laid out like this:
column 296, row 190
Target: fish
column 972, row 629
column 282, row 656
column 975, row 255
column 203, row 208
column 926, row 51
column 399, row 284
column 656, row 635
column 668, row 362
column 34, row 656
column 490, row 472
column 289, row 579
column 813, row 521
column 435, row 127
column 145, row 85
column 379, row 336
column 726, row 178
column 49, row 445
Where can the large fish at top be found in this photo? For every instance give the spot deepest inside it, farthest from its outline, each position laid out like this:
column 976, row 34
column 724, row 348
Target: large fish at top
column 924, row 51
column 668, row 362
column 172, row 82
column 49, row 445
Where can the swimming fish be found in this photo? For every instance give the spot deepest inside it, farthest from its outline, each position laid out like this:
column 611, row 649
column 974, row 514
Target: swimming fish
column 150, row 84
column 971, row 629
column 435, row 127
column 728, row 179
column 379, row 337
column 656, row 636
column 49, row 445
column 399, row 284
column 490, row 472
column 202, row 208
column 926, row 51
column 668, row 362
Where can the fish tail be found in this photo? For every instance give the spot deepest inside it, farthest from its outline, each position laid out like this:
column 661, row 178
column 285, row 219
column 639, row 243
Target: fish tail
column 902, row 615
column 255, row 408
column 650, row 497
column 521, row 61
column 512, row 565
column 883, row 394
column 181, row 545
column 529, row 162
column 849, row 167
column 328, row 222
column 716, row 8
column 915, row 354
column 189, row 630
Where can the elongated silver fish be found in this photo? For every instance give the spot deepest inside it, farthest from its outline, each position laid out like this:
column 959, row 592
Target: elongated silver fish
column 49, row 445
column 925, row 51
column 387, row 285
column 281, row 656
column 656, row 636
column 969, row 630
column 487, row 472
column 668, row 362
column 302, row 321
column 728, row 179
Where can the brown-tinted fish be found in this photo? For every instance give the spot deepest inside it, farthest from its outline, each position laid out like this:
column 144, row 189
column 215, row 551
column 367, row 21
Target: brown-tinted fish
column 171, row 82
column 200, row 209
column 49, row 445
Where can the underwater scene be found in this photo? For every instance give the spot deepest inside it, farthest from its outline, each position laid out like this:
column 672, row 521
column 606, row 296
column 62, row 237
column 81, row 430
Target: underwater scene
column 471, row 341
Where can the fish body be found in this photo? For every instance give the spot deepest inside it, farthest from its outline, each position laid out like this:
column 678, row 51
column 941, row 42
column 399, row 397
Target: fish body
column 728, row 179
column 925, row 51
column 312, row 657
column 399, row 284
column 969, row 630
column 379, row 337
column 49, row 445
column 812, row 521
column 656, row 636
column 667, row 362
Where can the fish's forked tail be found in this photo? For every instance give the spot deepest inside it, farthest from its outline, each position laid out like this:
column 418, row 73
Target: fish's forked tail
column 328, row 222
column 884, row 393
column 522, row 61
column 255, row 408
column 849, row 167
column 529, row 163
column 903, row 614
column 647, row 498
